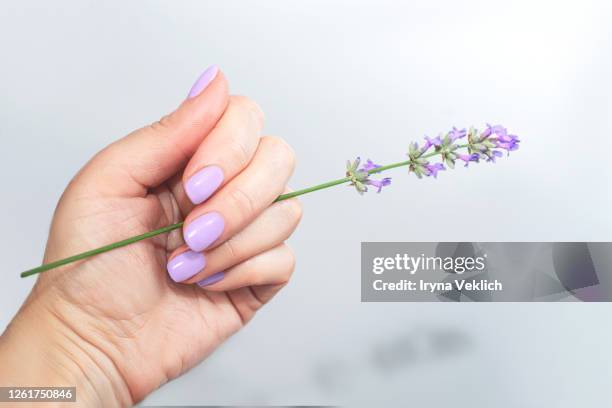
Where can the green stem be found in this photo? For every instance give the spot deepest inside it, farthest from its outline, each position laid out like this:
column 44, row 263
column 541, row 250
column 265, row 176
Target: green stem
column 168, row 228
column 106, row 248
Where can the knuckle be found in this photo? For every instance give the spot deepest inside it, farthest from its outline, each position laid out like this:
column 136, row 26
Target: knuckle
column 285, row 153
column 238, row 151
column 242, row 202
column 231, row 249
column 290, row 264
column 293, row 210
column 242, row 101
column 250, row 106
column 166, row 123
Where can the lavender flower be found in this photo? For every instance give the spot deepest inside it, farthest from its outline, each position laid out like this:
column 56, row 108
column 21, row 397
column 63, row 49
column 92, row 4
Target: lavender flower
column 483, row 145
column 379, row 184
column 508, row 142
column 457, row 134
column 436, row 141
column 369, row 165
column 432, row 169
column 359, row 177
column 494, row 154
column 467, row 158
column 479, row 146
column 498, row 130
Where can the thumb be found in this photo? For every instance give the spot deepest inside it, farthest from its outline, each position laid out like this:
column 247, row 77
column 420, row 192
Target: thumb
column 149, row 156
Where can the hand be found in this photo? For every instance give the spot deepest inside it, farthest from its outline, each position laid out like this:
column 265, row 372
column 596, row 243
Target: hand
column 120, row 324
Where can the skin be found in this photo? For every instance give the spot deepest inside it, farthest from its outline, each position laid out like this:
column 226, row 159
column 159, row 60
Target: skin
column 116, row 325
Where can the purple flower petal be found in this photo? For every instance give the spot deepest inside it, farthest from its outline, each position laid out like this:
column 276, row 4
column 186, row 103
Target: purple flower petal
column 379, row 184
column 433, row 169
column 457, row 134
column 369, row 165
column 497, row 130
column 508, row 142
column 436, row 141
column 494, row 155
column 467, row 158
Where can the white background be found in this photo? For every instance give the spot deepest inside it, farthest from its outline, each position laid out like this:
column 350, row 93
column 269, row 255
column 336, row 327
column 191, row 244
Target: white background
column 337, row 80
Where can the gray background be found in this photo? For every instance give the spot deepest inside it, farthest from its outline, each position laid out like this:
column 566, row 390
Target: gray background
column 340, row 79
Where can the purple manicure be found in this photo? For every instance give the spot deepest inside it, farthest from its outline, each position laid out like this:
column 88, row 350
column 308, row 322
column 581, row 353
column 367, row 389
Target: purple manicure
column 203, row 184
column 203, row 231
column 214, row 278
column 206, row 78
column 185, row 265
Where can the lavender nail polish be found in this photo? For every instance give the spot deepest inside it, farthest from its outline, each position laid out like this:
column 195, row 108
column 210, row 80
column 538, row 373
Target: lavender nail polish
column 203, row 184
column 214, row 278
column 203, row 231
column 206, row 78
column 185, row 265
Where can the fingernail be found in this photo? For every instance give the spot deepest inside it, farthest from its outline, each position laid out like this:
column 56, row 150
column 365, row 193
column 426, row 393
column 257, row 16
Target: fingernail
column 185, row 265
column 214, row 278
column 206, row 78
column 203, row 231
column 201, row 185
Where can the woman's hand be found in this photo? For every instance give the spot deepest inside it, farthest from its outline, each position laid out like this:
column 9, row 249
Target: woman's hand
column 122, row 323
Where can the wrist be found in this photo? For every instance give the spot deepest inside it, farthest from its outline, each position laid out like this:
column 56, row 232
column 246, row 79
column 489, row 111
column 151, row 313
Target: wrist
column 38, row 349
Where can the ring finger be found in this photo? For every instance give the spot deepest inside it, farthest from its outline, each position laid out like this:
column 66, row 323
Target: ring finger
column 269, row 229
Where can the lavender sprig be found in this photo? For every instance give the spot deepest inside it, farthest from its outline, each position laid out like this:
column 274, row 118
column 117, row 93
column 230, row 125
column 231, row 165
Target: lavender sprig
column 486, row 145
